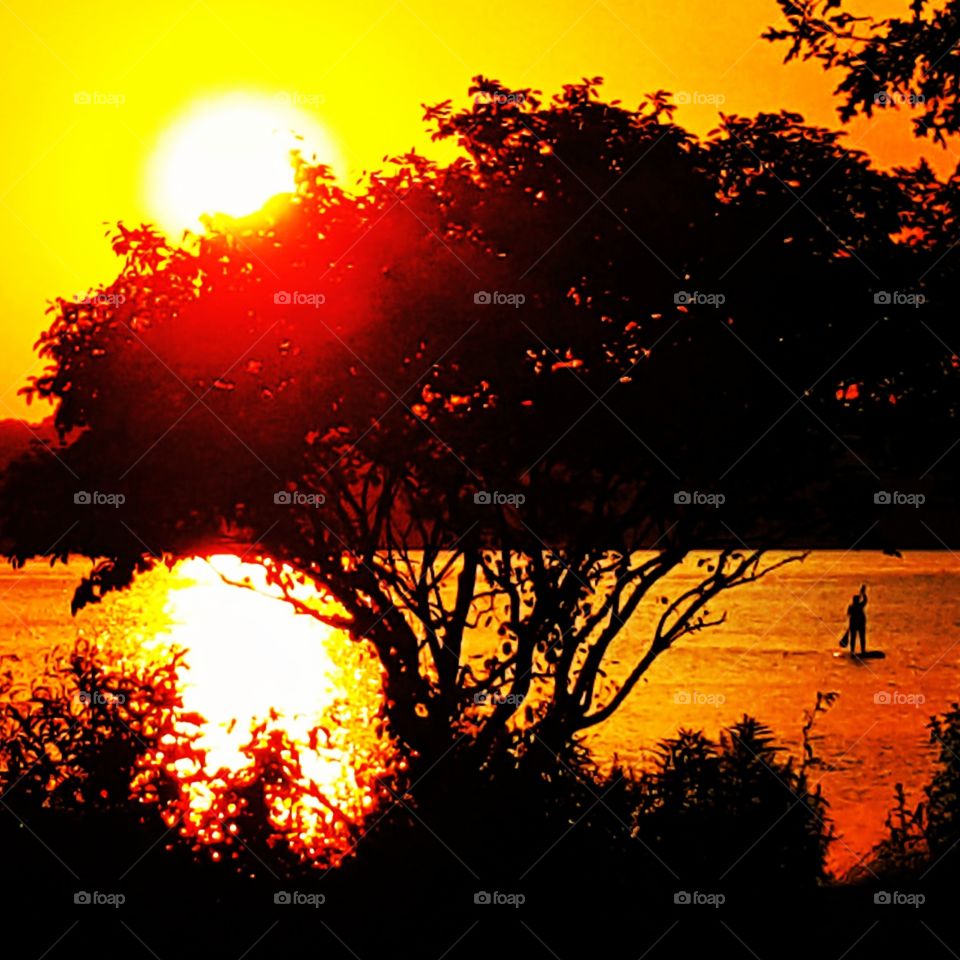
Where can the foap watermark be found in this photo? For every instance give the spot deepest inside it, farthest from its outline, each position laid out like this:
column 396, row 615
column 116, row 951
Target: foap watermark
column 297, row 898
column 899, row 298
column 896, row 498
column 296, row 498
column 498, row 97
column 699, row 698
column 100, row 697
column 698, row 499
column 697, row 298
column 513, row 699
column 299, row 98
column 98, row 98
column 99, row 299
column 498, row 299
column 700, row 98
column 897, row 698
column 697, row 898
column 498, row 499
column 897, row 898
column 884, row 98
column 299, row 298
column 98, row 899
column 499, row 899
column 97, row 498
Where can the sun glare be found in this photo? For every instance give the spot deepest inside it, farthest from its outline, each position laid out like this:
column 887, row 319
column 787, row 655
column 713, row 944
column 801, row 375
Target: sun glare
column 230, row 155
column 260, row 679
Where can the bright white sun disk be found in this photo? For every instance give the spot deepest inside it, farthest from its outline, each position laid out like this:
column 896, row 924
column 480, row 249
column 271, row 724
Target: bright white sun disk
column 230, row 155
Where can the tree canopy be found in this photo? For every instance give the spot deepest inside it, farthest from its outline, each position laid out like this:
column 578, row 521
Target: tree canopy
column 887, row 63
column 518, row 389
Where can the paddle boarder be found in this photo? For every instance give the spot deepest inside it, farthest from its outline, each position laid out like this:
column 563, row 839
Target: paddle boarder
column 856, row 613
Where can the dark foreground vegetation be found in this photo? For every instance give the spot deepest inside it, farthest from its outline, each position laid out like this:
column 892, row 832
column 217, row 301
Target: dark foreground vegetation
column 716, row 841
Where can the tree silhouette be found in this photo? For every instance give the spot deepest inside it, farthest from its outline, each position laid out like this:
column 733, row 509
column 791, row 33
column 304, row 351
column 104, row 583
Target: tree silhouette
column 481, row 396
column 887, row 63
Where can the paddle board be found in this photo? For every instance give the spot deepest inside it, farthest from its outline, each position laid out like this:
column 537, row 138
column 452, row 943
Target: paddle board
column 869, row 655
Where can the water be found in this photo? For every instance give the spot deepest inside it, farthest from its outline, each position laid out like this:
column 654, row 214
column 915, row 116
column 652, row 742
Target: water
column 769, row 659
column 775, row 652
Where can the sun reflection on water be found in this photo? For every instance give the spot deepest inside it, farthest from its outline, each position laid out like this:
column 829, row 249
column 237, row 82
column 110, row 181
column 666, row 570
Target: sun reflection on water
column 275, row 705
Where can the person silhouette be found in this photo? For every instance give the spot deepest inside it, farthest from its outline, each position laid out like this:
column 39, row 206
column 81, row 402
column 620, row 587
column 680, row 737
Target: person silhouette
column 858, row 620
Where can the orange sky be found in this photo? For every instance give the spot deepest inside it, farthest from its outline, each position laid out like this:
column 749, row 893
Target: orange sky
column 363, row 68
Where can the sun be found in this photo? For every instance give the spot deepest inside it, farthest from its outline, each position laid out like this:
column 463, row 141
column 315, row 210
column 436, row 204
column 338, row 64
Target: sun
column 230, row 154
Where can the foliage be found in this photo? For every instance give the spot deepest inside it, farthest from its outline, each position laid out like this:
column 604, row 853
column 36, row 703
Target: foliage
column 361, row 440
column 887, row 62
column 96, row 737
column 921, row 840
column 731, row 811
column 722, row 811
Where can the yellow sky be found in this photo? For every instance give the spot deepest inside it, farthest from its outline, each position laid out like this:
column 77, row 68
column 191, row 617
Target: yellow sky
column 362, row 68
